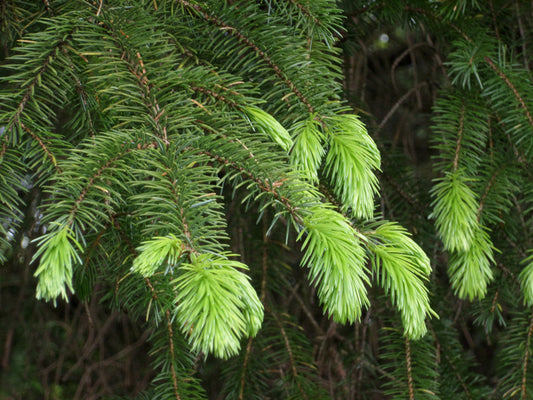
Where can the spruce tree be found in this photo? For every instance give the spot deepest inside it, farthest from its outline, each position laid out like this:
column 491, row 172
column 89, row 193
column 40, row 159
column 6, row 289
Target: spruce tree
column 192, row 166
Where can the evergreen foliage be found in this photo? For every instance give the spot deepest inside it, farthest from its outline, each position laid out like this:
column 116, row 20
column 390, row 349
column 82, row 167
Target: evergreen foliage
column 192, row 168
column 460, row 74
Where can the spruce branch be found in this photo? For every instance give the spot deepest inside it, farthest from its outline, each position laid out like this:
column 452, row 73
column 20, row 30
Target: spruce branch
column 48, row 153
column 289, row 350
column 242, row 381
column 527, row 347
column 460, row 132
column 409, row 369
column 36, row 81
column 264, row 185
column 138, row 70
column 306, row 11
column 513, row 88
column 254, row 47
column 111, row 163
column 172, row 355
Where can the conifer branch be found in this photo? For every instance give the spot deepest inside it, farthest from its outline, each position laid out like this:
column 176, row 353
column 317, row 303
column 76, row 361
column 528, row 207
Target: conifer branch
column 488, row 187
column 456, row 372
column 242, row 381
column 513, row 88
column 138, row 70
column 83, row 94
column 172, row 355
column 217, row 96
column 124, row 237
column 186, row 248
column 460, row 132
column 43, row 146
column 109, row 164
column 438, row 18
column 289, row 350
column 305, row 10
column 36, row 81
column 266, row 186
column 409, row 369
column 153, row 107
column 248, row 42
column 167, row 314
column 527, row 354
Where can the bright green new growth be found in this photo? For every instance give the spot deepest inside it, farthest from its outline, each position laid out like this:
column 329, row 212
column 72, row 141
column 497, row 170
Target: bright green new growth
column 308, row 150
column 267, row 124
column 58, row 255
column 455, row 210
column 336, row 262
column 470, row 270
column 155, row 252
column 526, row 280
column 351, row 161
column 401, row 267
column 216, row 305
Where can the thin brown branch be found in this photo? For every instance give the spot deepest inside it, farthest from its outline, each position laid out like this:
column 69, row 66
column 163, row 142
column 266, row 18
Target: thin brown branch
column 43, row 146
column 458, row 375
column 413, row 201
column 4, row 147
column 414, row 70
column 515, row 91
column 172, row 356
column 526, row 359
column 99, row 11
column 288, row 347
column 91, row 344
column 90, row 184
column 400, row 101
column 460, row 131
column 410, row 384
column 495, row 301
column 264, row 185
column 397, row 60
column 306, row 12
column 256, row 49
column 244, row 365
column 216, row 95
column 486, row 192
column 304, row 306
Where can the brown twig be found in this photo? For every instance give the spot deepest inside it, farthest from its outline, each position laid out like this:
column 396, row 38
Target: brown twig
column 410, row 384
column 515, row 91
